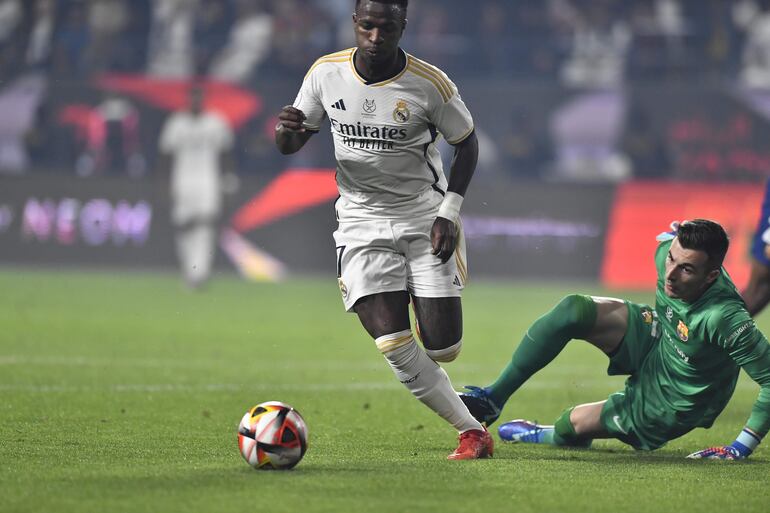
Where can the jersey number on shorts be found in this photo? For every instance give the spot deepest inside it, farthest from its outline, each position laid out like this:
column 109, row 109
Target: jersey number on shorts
column 340, row 250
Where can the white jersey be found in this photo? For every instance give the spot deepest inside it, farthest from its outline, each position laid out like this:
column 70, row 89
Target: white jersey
column 385, row 134
column 196, row 144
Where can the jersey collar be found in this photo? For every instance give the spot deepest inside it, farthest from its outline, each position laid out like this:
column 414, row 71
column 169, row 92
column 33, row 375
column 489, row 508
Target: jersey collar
column 381, row 82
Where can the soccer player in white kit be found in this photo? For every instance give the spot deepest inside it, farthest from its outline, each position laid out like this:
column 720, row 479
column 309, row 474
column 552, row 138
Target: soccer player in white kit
column 199, row 144
column 399, row 229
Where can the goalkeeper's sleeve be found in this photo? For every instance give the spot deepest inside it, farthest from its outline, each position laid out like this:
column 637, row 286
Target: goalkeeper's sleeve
column 756, row 363
column 759, row 370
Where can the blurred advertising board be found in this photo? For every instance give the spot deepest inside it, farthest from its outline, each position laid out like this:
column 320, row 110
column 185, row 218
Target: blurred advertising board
column 642, row 210
column 526, row 230
column 532, row 230
column 60, row 220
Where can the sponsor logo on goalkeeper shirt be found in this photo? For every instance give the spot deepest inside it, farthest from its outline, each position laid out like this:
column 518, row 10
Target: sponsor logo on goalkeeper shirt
column 682, row 354
column 737, row 333
column 685, row 358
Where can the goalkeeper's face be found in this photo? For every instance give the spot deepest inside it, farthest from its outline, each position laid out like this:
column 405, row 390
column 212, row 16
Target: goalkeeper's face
column 688, row 273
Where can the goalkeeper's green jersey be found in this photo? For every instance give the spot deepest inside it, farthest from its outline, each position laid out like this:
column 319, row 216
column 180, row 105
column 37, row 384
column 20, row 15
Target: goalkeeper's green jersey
column 693, row 369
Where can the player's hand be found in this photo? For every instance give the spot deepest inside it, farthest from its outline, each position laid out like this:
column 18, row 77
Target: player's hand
column 728, row 452
column 291, row 118
column 673, row 230
column 443, row 238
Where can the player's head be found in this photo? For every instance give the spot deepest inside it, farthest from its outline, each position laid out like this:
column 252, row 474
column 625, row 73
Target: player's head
column 195, row 98
column 379, row 25
column 694, row 259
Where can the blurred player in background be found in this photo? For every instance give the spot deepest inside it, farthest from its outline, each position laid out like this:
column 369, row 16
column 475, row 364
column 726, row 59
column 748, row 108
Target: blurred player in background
column 399, row 229
column 683, row 356
column 757, row 292
column 196, row 146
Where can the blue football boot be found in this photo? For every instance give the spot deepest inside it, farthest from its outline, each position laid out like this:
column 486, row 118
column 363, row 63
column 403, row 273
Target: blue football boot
column 480, row 404
column 524, row 431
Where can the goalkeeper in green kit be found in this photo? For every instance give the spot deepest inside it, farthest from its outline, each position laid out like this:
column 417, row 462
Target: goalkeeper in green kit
column 683, row 356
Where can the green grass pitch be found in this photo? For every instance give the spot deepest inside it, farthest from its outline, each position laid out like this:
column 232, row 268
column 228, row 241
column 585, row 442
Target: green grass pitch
column 122, row 393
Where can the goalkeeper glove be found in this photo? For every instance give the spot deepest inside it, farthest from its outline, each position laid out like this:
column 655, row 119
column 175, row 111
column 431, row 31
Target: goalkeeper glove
column 740, row 449
column 674, row 228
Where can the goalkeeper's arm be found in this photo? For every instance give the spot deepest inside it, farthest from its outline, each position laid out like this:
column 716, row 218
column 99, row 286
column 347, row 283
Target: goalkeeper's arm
column 759, row 422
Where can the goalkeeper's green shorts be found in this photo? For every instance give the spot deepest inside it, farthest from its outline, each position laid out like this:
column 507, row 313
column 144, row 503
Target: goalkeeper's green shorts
column 642, row 422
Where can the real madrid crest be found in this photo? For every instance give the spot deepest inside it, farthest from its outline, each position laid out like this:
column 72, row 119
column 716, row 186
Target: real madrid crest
column 401, row 113
column 683, row 331
column 343, row 287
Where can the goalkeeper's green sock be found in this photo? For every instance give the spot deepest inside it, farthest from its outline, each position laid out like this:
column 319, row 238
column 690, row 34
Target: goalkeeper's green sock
column 563, row 433
column 573, row 317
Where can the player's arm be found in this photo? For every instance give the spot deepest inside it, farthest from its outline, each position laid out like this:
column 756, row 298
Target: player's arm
column 757, row 292
column 451, row 117
column 299, row 121
column 167, row 142
column 756, row 363
column 444, row 232
column 225, row 138
column 290, row 132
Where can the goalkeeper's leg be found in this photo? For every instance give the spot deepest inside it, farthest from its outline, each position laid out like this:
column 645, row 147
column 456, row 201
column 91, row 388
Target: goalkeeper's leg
column 600, row 321
column 575, row 427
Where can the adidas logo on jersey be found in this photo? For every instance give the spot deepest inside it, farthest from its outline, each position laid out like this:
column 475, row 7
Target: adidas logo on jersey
column 456, row 282
column 339, row 104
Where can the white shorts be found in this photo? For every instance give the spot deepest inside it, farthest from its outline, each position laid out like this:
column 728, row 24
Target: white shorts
column 195, row 205
column 391, row 255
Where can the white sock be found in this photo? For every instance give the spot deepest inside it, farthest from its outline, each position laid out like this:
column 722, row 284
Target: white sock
column 183, row 251
column 202, row 249
column 425, row 379
column 196, row 252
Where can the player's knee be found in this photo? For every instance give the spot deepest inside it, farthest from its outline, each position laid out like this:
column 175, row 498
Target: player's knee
column 447, row 354
column 393, row 342
column 578, row 312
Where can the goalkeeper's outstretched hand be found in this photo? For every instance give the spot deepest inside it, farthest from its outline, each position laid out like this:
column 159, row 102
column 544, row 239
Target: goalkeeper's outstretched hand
column 728, row 452
column 740, row 449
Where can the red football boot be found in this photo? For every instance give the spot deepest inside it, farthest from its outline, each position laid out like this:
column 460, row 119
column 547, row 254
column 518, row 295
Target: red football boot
column 474, row 444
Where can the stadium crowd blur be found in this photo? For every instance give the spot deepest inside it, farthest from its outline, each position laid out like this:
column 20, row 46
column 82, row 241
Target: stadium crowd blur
column 599, row 46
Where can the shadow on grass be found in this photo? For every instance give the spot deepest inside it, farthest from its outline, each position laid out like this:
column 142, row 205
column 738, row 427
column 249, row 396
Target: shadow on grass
column 621, row 456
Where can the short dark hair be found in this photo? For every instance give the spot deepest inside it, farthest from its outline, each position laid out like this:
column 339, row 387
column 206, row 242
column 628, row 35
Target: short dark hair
column 707, row 236
column 402, row 3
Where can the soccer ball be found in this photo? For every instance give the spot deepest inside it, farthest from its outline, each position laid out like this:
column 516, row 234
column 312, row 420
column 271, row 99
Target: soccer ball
column 272, row 436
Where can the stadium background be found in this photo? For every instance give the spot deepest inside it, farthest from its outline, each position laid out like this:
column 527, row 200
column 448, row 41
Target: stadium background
column 599, row 123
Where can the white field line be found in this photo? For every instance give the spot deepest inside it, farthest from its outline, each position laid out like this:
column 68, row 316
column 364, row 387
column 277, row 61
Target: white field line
column 212, row 387
column 290, row 387
column 371, row 364
column 565, row 372
column 88, row 361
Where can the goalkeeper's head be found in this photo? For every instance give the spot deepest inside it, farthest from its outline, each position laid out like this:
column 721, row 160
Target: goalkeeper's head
column 694, row 259
column 707, row 236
